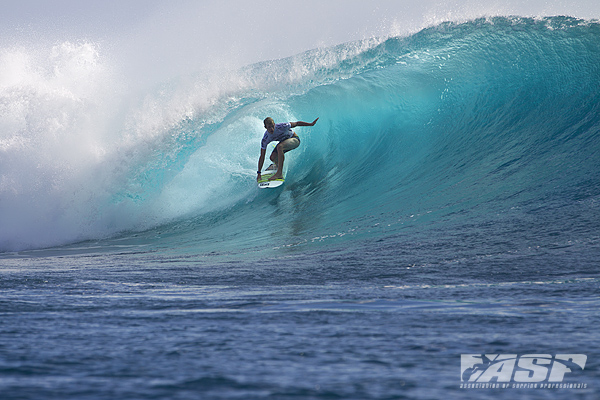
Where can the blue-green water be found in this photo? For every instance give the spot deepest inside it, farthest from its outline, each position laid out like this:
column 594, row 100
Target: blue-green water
column 446, row 203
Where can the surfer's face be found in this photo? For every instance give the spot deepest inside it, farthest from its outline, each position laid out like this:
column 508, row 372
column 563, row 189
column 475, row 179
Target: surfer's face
column 270, row 126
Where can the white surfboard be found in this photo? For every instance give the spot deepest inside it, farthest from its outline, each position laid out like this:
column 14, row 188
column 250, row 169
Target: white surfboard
column 264, row 181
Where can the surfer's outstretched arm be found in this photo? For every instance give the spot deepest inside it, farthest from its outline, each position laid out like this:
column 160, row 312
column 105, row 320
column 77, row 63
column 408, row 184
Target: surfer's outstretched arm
column 302, row 123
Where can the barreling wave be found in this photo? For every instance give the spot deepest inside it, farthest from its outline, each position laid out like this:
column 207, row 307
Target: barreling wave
column 469, row 124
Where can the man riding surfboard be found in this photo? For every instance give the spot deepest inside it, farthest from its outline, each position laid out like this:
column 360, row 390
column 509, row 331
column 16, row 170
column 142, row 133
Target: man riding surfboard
column 287, row 138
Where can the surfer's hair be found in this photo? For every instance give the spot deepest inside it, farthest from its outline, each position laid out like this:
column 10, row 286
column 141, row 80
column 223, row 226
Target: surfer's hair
column 269, row 120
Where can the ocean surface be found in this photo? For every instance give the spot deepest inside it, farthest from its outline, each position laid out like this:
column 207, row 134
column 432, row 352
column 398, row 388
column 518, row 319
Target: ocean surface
column 447, row 203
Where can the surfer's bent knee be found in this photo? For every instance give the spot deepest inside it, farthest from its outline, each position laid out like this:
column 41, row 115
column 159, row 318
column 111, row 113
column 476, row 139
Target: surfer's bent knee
column 288, row 144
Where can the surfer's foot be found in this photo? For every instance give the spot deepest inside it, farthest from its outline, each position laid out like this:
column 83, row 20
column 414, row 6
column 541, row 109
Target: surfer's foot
column 276, row 176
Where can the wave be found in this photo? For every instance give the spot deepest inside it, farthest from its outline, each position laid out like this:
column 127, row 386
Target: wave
column 492, row 120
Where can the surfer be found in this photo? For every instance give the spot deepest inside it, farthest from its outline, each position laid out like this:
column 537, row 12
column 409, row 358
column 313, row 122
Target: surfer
column 287, row 138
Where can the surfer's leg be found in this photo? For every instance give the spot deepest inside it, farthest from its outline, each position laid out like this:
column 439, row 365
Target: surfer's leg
column 283, row 147
column 290, row 144
column 280, row 160
column 286, row 145
column 273, row 156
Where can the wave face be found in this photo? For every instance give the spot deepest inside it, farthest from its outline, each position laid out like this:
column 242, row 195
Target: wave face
column 486, row 131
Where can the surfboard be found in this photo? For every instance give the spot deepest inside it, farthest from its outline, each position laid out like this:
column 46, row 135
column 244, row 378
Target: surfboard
column 265, row 183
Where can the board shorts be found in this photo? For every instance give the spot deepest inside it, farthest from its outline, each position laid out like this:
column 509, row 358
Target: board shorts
column 285, row 151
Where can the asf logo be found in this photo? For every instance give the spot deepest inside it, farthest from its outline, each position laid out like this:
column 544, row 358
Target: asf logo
column 526, row 368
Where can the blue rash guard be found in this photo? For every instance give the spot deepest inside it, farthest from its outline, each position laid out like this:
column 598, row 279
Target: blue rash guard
column 282, row 132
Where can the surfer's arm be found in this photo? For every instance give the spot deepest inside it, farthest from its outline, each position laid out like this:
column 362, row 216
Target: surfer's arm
column 261, row 161
column 302, row 123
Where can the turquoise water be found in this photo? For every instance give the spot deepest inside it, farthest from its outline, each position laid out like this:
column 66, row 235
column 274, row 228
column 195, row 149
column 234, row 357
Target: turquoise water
column 446, row 203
